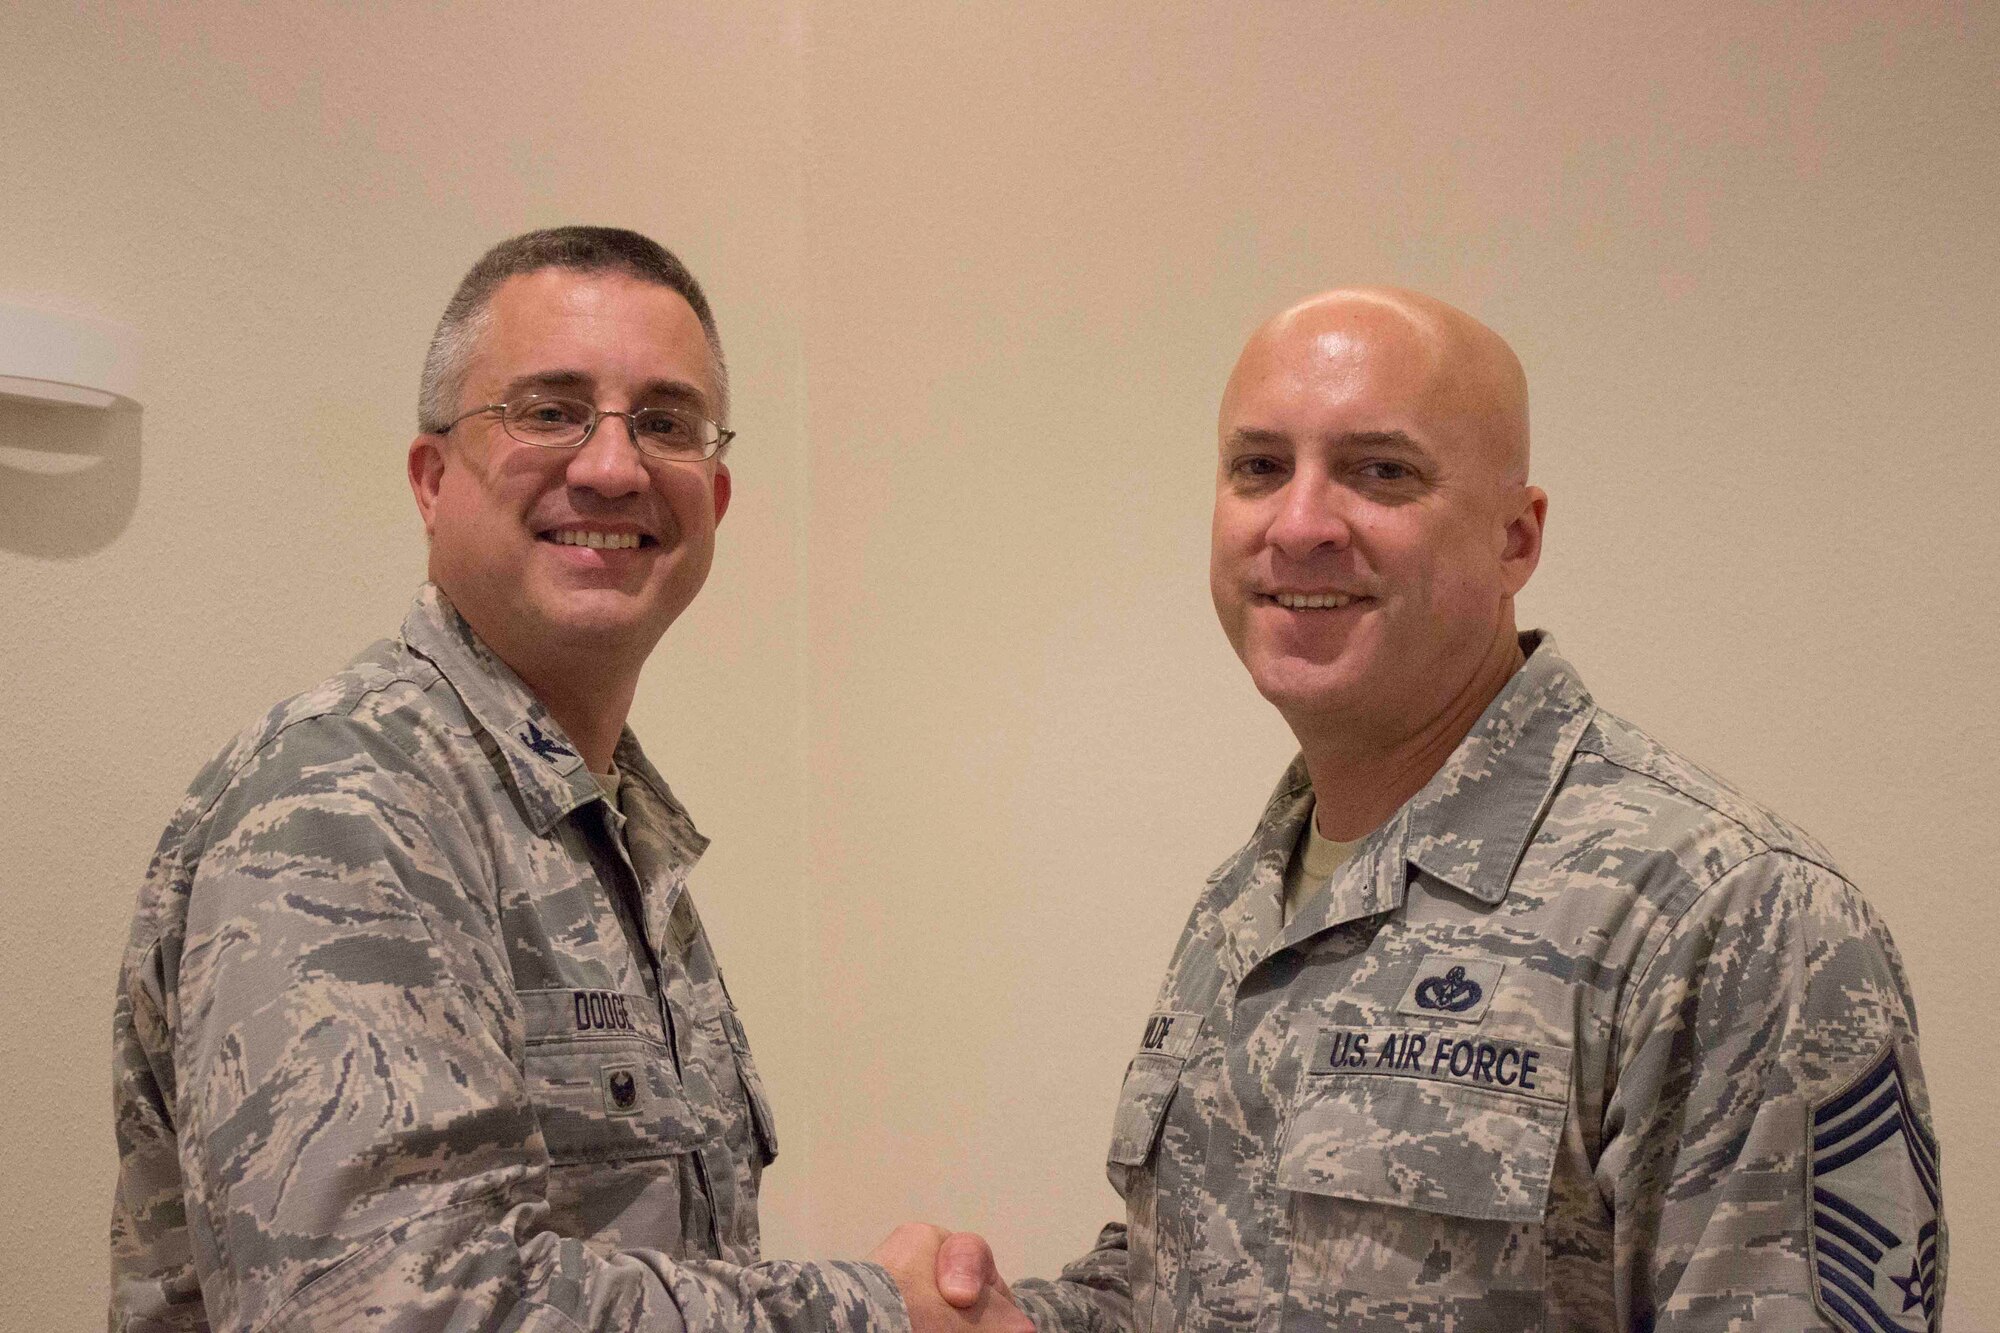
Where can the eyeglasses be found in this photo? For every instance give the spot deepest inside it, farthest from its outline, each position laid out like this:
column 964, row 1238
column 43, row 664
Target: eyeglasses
column 676, row 433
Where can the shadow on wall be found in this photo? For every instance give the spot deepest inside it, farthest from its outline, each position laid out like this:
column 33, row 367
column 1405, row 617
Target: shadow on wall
column 69, row 477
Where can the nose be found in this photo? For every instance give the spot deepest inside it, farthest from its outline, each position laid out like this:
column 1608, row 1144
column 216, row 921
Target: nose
column 1311, row 516
column 609, row 462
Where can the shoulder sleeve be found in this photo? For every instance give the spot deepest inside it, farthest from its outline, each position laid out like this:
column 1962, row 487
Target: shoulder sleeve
column 357, row 1144
column 1768, row 1108
column 154, row 1285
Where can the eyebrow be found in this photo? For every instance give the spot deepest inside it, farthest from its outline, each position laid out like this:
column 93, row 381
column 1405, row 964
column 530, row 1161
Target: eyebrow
column 1383, row 439
column 1255, row 436
column 575, row 381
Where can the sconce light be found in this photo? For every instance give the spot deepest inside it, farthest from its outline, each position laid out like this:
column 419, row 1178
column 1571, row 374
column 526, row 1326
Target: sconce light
column 66, row 359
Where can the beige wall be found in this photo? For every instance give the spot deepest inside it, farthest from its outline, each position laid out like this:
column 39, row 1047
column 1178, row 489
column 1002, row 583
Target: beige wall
column 954, row 707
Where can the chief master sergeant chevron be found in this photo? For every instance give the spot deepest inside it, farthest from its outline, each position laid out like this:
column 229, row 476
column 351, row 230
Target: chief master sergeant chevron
column 1506, row 1018
column 418, row 1027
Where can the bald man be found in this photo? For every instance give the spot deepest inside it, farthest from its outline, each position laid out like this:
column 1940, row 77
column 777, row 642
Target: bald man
column 1506, row 1017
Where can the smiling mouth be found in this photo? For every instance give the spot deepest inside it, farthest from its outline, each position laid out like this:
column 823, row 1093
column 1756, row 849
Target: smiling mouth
column 1313, row 601
column 599, row 541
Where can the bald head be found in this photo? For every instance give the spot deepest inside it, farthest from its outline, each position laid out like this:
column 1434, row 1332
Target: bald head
column 1373, row 517
column 1442, row 361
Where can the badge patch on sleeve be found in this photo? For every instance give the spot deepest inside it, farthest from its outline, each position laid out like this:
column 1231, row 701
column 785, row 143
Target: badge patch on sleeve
column 1875, row 1206
column 1458, row 988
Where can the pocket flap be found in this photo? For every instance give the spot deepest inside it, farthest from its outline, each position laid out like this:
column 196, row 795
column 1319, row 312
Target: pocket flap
column 1150, row 1080
column 598, row 1069
column 1384, row 1118
column 761, row 1119
column 582, row 1016
column 1142, row 1106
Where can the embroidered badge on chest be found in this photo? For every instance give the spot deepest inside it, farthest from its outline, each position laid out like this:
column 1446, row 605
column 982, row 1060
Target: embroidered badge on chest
column 1875, row 1206
column 1454, row 988
column 621, row 1090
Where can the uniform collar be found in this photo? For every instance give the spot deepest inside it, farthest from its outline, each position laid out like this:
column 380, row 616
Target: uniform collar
column 544, row 768
column 1473, row 819
column 1468, row 826
column 1252, row 883
column 660, row 816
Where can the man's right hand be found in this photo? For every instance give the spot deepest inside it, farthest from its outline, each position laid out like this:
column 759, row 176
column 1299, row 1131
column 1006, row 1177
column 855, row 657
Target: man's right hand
column 949, row 1281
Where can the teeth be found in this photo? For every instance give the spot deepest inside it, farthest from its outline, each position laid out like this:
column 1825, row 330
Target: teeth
column 1313, row 601
column 598, row 541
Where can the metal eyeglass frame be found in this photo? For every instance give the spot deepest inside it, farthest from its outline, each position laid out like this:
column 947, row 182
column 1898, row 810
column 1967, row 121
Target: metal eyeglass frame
column 713, row 447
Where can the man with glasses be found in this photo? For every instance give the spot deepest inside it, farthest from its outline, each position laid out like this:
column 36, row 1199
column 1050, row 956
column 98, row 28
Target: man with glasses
column 418, row 1026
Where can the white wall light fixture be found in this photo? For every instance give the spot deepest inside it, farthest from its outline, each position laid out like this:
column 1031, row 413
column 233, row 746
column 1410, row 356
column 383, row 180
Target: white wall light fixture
column 66, row 359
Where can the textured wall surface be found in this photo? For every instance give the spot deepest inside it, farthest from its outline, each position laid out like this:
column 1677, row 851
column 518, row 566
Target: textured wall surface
column 954, row 707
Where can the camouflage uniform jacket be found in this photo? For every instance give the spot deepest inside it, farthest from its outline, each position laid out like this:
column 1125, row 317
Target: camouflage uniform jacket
column 409, row 1037
column 1578, row 1040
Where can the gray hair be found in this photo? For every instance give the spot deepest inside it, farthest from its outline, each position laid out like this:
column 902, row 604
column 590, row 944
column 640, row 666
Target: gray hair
column 578, row 249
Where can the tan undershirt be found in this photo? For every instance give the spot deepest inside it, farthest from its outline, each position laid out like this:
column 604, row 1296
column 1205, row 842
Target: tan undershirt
column 1313, row 865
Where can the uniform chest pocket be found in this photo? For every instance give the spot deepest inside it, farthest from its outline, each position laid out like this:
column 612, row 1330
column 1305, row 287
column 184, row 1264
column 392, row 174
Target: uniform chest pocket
column 1142, row 1108
column 1419, row 1118
column 1136, row 1159
column 1150, row 1081
column 602, row 1078
column 761, row 1120
column 1419, row 1163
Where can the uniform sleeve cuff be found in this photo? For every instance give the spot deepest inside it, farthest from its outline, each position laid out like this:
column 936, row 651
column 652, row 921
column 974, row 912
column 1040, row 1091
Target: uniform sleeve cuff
column 1038, row 1302
column 875, row 1303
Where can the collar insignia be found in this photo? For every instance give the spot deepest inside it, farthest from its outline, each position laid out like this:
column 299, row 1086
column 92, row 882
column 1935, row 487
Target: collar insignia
column 543, row 744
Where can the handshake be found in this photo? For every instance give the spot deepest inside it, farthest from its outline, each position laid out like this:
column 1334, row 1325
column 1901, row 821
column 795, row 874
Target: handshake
column 949, row 1281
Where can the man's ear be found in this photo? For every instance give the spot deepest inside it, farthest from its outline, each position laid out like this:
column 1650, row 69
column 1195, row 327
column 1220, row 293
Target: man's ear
column 721, row 489
column 426, row 467
column 1523, row 548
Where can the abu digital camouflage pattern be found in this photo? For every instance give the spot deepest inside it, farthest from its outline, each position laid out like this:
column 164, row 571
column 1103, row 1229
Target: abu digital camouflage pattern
column 1549, row 1054
column 416, row 1031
